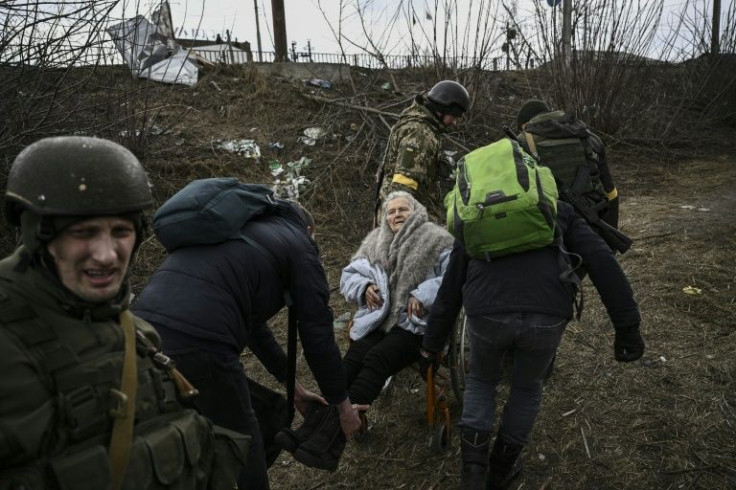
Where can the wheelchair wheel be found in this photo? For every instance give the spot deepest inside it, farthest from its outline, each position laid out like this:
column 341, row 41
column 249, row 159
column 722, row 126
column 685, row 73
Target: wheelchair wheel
column 459, row 357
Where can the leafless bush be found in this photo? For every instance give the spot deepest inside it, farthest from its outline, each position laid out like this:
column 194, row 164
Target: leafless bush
column 52, row 55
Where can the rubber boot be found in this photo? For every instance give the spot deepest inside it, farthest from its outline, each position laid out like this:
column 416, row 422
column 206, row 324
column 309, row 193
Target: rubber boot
column 324, row 447
column 504, row 464
column 474, row 450
column 290, row 440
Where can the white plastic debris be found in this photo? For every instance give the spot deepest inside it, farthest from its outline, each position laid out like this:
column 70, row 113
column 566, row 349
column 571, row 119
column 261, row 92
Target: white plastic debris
column 311, row 135
column 247, row 148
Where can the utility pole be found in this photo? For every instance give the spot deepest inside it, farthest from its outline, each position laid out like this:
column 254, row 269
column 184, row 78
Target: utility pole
column 566, row 30
column 716, row 35
column 258, row 33
column 279, row 30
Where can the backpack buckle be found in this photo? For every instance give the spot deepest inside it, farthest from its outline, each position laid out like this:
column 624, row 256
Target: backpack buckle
column 119, row 404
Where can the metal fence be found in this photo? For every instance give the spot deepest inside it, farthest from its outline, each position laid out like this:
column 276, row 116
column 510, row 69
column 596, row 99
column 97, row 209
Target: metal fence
column 228, row 55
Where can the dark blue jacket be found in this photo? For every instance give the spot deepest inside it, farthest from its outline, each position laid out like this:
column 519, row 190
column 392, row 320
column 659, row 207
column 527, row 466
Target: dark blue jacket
column 530, row 282
column 222, row 295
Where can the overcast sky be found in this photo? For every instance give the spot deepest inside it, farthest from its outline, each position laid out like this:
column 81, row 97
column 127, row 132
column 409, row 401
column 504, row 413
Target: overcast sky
column 305, row 21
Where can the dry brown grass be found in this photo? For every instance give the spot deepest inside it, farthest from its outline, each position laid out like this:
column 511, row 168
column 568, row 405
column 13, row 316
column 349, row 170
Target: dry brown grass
column 665, row 422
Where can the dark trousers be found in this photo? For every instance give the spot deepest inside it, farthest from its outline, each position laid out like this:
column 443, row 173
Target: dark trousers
column 370, row 361
column 532, row 339
column 225, row 399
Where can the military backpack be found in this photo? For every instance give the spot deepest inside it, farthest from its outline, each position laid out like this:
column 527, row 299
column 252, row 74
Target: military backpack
column 564, row 144
column 503, row 202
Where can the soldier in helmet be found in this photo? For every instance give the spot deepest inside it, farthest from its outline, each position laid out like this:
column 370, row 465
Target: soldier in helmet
column 87, row 399
column 412, row 160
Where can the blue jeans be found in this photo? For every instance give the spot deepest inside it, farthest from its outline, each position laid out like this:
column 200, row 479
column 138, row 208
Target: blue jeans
column 532, row 340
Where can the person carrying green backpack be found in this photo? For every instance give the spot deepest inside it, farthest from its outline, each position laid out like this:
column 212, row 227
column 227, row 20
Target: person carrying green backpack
column 510, row 270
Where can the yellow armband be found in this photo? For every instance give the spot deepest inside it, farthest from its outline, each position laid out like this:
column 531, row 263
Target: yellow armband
column 612, row 195
column 405, row 181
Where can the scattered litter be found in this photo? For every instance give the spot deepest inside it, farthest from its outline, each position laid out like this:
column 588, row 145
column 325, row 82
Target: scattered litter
column 704, row 210
column 386, row 86
column 687, row 206
column 276, row 145
column 291, row 181
column 692, row 290
column 662, row 359
column 318, row 82
column 311, row 135
column 247, row 148
column 710, row 357
column 541, row 457
column 276, row 168
column 414, row 391
column 214, row 84
column 153, row 130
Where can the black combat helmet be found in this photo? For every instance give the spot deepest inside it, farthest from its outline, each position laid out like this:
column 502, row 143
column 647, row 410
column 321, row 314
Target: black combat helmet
column 530, row 109
column 449, row 97
column 61, row 178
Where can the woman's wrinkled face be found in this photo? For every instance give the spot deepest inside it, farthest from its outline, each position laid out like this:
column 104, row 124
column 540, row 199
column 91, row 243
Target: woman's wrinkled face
column 398, row 211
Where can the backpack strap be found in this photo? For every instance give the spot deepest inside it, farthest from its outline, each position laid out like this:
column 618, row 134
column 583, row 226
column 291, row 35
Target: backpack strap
column 531, row 144
column 121, row 441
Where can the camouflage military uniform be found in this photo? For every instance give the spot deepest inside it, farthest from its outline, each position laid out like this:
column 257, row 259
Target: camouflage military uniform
column 412, row 159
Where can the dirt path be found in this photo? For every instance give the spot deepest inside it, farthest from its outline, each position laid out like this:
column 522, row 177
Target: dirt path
column 667, row 421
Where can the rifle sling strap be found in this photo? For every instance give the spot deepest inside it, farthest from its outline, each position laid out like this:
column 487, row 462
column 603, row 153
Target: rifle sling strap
column 532, row 145
column 122, row 430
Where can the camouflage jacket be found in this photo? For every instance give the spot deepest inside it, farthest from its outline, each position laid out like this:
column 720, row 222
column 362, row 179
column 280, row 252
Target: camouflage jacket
column 412, row 159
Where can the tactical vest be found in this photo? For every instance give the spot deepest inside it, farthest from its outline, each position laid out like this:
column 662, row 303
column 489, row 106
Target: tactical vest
column 565, row 145
column 80, row 365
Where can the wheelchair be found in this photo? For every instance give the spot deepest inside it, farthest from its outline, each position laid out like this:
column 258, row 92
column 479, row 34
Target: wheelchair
column 438, row 411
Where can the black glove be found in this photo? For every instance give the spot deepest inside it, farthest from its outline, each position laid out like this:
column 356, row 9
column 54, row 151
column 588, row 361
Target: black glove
column 628, row 346
column 426, row 360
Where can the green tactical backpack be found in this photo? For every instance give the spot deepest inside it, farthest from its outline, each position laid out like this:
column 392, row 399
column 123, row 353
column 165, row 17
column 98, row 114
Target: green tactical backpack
column 502, row 202
column 565, row 145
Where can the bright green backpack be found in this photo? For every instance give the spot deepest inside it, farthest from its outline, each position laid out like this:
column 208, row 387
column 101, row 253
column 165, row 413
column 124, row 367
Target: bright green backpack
column 502, row 202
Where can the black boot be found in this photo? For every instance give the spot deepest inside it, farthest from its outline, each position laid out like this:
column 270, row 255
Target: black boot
column 474, row 449
column 324, row 447
column 291, row 439
column 504, row 464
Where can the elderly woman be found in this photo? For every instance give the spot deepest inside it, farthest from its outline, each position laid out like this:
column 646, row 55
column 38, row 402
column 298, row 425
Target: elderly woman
column 393, row 278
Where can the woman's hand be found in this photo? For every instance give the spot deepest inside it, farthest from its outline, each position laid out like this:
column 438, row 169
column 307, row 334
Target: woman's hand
column 373, row 297
column 414, row 307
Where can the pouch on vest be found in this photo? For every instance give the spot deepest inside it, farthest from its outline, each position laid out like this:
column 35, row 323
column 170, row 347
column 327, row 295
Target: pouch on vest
column 502, row 202
column 209, row 211
column 28, row 477
column 231, row 453
column 89, row 468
